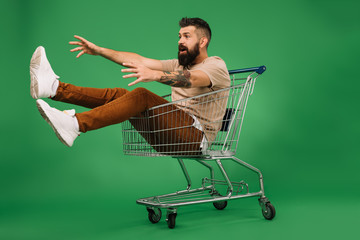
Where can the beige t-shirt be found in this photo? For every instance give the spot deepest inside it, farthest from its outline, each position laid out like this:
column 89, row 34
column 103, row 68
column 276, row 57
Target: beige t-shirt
column 210, row 109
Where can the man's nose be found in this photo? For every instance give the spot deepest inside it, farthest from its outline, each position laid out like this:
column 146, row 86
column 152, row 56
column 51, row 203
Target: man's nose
column 181, row 40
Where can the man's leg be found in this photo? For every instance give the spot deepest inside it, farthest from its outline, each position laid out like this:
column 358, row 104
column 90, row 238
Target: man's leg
column 173, row 131
column 168, row 128
column 67, row 125
column 119, row 110
column 86, row 96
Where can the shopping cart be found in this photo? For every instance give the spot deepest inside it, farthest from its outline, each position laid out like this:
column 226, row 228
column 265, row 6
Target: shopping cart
column 206, row 129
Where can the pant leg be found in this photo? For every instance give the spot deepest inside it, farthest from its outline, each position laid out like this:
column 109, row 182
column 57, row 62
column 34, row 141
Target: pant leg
column 119, row 110
column 174, row 132
column 86, row 96
column 170, row 127
column 169, row 130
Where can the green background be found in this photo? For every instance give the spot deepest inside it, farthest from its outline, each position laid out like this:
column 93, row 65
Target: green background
column 301, row 127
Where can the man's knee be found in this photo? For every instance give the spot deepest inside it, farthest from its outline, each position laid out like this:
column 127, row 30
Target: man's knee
column 141, row 90
column 144, row 93
column 149, row 97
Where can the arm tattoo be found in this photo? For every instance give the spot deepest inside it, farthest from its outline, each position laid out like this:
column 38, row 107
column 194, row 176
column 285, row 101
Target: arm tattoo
column 177, row 79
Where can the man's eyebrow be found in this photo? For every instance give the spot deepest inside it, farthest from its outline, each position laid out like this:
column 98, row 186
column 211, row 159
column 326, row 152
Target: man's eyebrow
column 184, row 33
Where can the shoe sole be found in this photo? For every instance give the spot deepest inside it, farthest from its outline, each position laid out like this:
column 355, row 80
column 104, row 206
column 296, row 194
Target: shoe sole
column 47, row 119
column 34, row 66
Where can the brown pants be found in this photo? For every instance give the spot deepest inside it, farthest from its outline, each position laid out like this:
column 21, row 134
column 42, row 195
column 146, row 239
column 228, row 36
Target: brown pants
column 116, row 105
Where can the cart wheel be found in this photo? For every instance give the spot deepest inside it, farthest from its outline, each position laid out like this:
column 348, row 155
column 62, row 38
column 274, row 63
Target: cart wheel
column 220, row 205
column 171, row 220
column 154, row 215
column 269, row 213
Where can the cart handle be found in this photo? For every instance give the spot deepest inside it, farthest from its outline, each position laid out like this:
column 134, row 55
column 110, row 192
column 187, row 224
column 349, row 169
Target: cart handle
column 258, row 70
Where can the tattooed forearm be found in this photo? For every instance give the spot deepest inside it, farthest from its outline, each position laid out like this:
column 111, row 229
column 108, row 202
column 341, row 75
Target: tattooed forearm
column 177, row 79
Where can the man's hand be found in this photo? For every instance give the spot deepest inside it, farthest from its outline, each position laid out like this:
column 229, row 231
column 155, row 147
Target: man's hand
column 85, row 47
column 142, row 73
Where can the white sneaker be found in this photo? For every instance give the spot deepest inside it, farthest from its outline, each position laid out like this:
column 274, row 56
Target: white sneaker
column 44, row 81
column 63, row 123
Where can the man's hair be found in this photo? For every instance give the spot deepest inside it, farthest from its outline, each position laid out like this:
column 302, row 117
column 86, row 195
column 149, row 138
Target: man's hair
column 199, row 24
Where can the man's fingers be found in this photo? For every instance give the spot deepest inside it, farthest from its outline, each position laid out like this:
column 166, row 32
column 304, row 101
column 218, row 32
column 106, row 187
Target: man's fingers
column 134, row 70
column 76, row 49
column 76, row 43
column 134, row 82
column 133, row 65
column 80, row 38
column 131, row 75
column 81, row 53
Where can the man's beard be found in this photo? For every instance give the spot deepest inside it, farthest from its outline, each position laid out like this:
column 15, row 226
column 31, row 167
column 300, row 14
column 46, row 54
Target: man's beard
column 187, row 59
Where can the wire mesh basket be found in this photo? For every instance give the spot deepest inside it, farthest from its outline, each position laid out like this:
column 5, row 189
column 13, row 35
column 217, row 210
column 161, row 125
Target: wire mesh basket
column 201, row 126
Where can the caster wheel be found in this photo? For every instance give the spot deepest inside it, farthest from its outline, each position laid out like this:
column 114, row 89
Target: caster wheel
column 220, row 205
column 171, row 220
column 154, row 215
column 269, row 213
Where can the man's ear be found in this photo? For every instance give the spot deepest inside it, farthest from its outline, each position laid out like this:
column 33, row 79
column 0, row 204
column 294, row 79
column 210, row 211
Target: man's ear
column 203, row 42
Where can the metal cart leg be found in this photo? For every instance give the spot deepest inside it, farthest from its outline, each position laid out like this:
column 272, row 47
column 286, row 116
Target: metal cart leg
column 181, row 162
column 254, row 169
column 187, row 176
column 212, row 174
column 268, row 210
column 230, row 190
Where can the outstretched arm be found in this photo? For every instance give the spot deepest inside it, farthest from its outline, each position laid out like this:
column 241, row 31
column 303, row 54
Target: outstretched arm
column 116, row 56
column 184, row 79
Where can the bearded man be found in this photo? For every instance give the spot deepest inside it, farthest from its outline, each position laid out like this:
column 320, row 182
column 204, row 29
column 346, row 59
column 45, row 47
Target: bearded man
column 192, row 74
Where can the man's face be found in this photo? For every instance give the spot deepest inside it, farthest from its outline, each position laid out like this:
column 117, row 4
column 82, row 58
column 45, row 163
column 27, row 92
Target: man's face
column 188, row 46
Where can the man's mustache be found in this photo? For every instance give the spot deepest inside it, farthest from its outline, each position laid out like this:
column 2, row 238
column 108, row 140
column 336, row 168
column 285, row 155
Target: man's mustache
column 183, row 48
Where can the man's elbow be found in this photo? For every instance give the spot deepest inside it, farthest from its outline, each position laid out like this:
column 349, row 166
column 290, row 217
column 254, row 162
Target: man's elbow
column 199, row 82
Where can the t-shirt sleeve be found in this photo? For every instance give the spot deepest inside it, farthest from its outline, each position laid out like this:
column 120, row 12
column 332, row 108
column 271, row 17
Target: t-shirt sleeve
column 217, row 71
column 169, row 65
